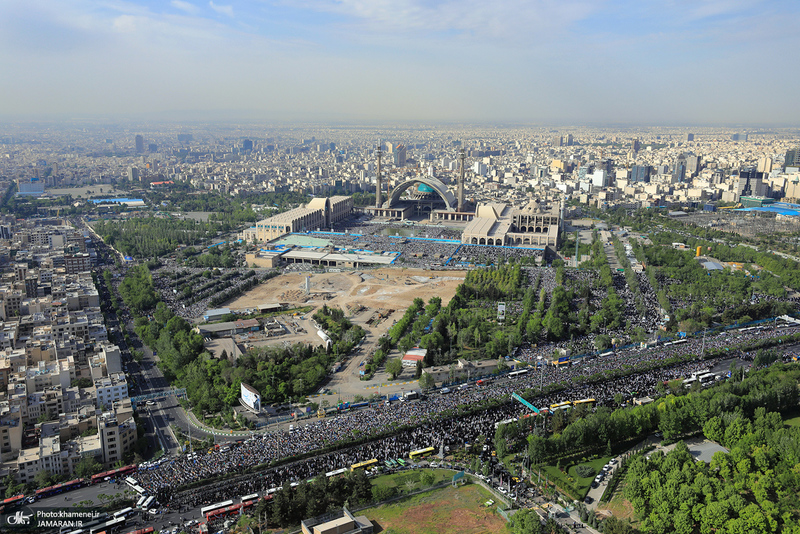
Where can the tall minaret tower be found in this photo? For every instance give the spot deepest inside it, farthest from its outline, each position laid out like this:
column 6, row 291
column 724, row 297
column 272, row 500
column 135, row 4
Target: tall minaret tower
column 378, row 200
column 462, row 155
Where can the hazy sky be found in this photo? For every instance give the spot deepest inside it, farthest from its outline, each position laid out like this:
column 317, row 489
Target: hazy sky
column 561, row 61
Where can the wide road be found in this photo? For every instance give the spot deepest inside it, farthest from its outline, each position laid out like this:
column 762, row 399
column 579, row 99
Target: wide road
column 165, row 412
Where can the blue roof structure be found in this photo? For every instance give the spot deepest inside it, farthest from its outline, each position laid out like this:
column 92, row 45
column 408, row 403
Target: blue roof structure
column 782, row 208
column 774, row 209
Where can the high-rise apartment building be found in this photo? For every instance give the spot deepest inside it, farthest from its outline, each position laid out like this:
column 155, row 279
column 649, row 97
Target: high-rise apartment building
column 764, row 165
column 399, row 155
column 679, row 172
column 693, row 164
column 641, row 173
column 792, row 157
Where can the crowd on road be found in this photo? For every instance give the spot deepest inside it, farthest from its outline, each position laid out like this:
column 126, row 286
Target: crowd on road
column 429, row 427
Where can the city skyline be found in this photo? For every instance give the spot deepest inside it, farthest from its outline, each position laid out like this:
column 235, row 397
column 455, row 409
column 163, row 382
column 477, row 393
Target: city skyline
column 410, row 60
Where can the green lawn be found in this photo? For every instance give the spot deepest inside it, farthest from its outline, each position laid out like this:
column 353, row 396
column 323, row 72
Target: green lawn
column 409, row 480
column 791, row 417
column 581, row 485
column 794, row 421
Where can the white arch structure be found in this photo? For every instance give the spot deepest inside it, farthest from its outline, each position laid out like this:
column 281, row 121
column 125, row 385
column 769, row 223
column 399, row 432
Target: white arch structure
column 435, row 184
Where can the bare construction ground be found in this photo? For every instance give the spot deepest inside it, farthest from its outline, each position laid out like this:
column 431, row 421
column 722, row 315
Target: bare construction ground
column 371, row 299
column 380, row 289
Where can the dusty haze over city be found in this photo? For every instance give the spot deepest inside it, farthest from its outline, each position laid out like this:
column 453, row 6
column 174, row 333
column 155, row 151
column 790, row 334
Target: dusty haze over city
column 576, row 62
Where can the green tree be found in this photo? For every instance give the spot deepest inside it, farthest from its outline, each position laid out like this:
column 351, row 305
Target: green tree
column 602, row 342
column 426, row 381
column 714, row 429
column 87, row 467
column 383, row 492
column 12, row 488
column 614, row 525
column 427, row 478
column 43, row 479
column 394, row 367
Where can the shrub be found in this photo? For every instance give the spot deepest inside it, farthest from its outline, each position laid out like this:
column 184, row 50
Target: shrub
column 584, row 471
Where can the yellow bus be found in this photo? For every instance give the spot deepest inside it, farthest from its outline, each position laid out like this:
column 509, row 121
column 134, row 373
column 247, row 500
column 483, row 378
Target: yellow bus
column 584, row 401
column 421, row 453
column 364, row 465
column 560, row 406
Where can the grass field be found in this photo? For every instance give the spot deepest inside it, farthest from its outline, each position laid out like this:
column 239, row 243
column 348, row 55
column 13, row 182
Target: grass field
column 444, row 511
column 794, row 421
column 792, row 418
column 409, row 480
column 618, row 505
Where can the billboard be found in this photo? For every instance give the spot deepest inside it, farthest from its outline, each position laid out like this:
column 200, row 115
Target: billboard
column 251, row 398
column 501, row 311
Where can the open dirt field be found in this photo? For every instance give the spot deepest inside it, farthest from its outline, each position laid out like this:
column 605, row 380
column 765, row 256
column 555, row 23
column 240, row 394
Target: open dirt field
column 380, row 289
column 107, row 190
column 450, row 510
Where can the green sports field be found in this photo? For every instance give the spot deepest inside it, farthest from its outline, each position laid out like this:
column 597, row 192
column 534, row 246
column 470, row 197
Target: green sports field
column 444, row 511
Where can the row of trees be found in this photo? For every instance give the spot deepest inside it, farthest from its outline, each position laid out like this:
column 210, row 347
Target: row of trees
column 137, row 290
column 674, row 415
column 225, row 208
column 151, row 237
column 289, row 506
column 219, row 256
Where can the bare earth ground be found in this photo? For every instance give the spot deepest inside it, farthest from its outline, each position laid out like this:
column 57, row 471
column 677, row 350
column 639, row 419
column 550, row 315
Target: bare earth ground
column 447, row 511
column 379, row 289
column 371, row 299
column 88, row 190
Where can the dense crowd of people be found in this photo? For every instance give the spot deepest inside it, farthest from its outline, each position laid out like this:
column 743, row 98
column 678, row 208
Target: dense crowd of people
column 429, row 427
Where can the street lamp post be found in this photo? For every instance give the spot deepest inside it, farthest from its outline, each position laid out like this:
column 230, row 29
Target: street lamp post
column 189, row 423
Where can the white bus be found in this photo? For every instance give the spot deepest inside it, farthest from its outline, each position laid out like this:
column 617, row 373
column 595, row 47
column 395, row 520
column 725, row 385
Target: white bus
column 109, row 526
column 707, row 378
column 251, row 497
column 505, row 422
column 213, row 507
column 337, row 472
column 125, row 512
column 521, row 372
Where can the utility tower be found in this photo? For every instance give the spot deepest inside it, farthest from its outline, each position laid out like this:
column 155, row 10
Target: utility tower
column 378, row 181
column 462, row 155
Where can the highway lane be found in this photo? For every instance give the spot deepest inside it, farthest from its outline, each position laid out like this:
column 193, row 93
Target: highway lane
column 167, row 411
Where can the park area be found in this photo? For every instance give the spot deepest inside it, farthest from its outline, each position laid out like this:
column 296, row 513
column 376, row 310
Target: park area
column 571, row 478
column 445, row 511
